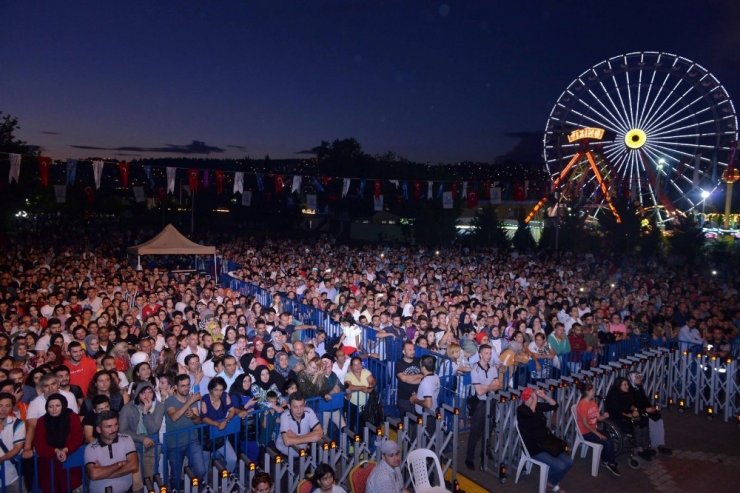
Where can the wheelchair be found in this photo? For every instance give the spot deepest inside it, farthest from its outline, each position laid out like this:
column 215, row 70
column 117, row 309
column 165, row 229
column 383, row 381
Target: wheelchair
column 622, row 441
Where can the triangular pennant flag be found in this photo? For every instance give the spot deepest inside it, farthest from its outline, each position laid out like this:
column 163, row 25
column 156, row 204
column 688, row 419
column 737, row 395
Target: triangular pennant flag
column 317, row 185
column 296, row 184
column 378, row 203
column 238, row 182
column 447, row 201
column 465, row 190
column 60, row 193
column 71, row 171
column 139, row 195
column 430, row 185
column 395, row 182
column 193, row 180
column 345, row 186
column 44, row 163
column 247, row 198
column 171, row 173
column 15, row 168
column 219, row 182
column 97, row 166
column 123, row 171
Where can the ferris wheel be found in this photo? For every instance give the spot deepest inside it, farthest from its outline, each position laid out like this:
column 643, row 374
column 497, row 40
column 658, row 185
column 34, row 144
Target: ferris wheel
column 662, row 128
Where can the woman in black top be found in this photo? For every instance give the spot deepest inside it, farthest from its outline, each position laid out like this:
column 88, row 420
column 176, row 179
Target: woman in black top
column 623, row 410
column 532, row 423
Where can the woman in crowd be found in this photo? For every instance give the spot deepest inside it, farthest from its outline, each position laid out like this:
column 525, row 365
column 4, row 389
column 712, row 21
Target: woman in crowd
column 58, row 435
column 621, row 405
column 588, row 418
column 324, row 480
column 263, row 383
column 312, row 381
column 141, row 419
column 216, row 409
column 359, row 382
column 103, row 384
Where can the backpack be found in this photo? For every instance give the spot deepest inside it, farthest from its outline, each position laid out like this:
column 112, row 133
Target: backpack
column 373, row 411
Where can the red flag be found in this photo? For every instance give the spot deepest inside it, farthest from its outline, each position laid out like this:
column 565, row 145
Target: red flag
column 193, row 180
column 453, row 189
column 123, row 170
column 377, row 188
column 486, row 192
column 44, row 163
column 472, row 199
column 219, row 182
column 161, row 194
column 279, row 185
column 417, row 190
column 326, row 180
column 519, row 192
column 89, row 196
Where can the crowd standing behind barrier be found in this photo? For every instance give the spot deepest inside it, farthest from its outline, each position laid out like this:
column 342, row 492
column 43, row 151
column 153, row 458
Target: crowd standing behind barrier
column 677, row 374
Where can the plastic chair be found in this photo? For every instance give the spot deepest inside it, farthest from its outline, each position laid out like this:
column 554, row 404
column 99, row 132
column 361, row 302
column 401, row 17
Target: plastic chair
column 358, row 476
column 304, row 486
column 526, row 462
column 417, row 464
column 585, row 445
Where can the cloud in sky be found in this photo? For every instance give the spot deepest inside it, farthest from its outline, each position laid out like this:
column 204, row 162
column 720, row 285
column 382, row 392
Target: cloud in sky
column 49, row 132
column 195, row 147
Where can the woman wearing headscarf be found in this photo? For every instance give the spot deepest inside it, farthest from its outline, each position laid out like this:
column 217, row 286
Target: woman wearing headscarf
column 264, row 383
column 621, row 405
column 92, row 346
column 282, row 372
column 241, row 393
column 643, row 404
column 58, row 435
column 268, row 354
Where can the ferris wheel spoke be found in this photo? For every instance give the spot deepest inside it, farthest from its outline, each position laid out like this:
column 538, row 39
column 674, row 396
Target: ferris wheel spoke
column 643, row 111
column 662, row 121
column 615, row 121
column 693, row 126
column 656, row 98
column 629, row 95
column 625, row 113
column 590, row 119
column 639, row 92
column 619, row 116
column 667, row 96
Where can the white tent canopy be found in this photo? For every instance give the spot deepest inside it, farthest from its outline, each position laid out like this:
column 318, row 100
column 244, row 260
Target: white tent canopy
column 171, row 242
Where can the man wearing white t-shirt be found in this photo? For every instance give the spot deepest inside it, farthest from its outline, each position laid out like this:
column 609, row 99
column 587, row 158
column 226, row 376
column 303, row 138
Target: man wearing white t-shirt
column 44, row 342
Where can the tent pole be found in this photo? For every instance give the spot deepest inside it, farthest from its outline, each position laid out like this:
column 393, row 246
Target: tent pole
column 215, row 269
column 138, row 262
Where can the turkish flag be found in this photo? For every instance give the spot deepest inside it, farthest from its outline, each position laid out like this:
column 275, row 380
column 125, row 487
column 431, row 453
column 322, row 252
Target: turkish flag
column 44, row 163
column 453, row 189
column 417, row 190
column 219, row 182
column 279, row 185
column 377, row 188
column 519, row 192
column 472, row 199
column 123, row 170
column 193, row 180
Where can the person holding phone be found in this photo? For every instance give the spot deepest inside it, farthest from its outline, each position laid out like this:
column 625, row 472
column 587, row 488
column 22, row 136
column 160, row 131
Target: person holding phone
column 181, row 413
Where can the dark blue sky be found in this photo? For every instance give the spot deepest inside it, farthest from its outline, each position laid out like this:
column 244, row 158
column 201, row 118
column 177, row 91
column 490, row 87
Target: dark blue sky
column 432, row 81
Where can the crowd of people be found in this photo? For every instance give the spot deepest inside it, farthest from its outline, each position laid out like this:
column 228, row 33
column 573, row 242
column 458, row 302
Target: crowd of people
column 94, row 351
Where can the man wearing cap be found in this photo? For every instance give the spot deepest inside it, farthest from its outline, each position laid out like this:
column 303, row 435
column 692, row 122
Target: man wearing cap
column 386, row 477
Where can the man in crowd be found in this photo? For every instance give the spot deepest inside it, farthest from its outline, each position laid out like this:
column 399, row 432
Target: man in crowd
column 12, row 437
column 299, row 427
column 181, row 413
column 484, row 379
column 409, row 376
column 386, row 476
column 111, row 460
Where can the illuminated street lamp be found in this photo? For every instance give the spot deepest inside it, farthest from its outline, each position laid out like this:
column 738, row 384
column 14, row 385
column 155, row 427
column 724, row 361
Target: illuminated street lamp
column 704, row 196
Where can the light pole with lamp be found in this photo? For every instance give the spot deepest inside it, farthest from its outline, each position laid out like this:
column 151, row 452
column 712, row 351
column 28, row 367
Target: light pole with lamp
column 659, row 167
column 704, row 196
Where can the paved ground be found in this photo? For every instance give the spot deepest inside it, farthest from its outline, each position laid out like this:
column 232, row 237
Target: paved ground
column 706, row 458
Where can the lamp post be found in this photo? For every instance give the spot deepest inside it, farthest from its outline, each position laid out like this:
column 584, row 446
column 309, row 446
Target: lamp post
column 659, row 167
column 704, row 196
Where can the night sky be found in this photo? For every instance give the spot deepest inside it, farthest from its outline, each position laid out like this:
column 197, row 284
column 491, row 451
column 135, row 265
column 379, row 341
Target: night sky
column 432, row 81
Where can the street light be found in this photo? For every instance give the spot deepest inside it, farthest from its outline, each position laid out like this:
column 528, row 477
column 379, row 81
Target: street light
column 661, row 164
column 704, row 196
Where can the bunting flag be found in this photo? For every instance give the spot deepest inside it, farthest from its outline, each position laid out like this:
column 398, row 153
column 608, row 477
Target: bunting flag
column 377, row 189
column 60, row 193
column 345, row 186
column 430, row 185
column 193, row 180
column 89, row 196
column 205, row 181
column 260, row 182
column 139, row 195
column 378, row 203
column 15, row 168
column 238, row 182
column 472, row 199
column 123, row 170
column 453, row 190
column 495, row 194
column 518, row 192
column 317, row 185
column 71, row 171
column 150, row 180
column 171, row 174
column 440, row 190
column 296, row 188
column 247, row 198
column 395, row 183
column 97, row 166
column 362, row 187
column 311, row 202
column 44, row 163
column 417, row 190
column 279, row 185
column 219, row 182
column 486, row 191
column 447, row 201
column 465, row 190
column 405, row 190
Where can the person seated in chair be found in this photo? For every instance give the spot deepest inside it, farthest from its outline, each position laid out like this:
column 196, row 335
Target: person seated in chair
column 587, row 420
column 620, row 403
column 655, row 423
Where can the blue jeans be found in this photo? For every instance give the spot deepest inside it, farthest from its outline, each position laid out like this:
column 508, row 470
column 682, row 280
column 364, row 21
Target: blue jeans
column 559, row 466
column 608, row 454
column 196, row 461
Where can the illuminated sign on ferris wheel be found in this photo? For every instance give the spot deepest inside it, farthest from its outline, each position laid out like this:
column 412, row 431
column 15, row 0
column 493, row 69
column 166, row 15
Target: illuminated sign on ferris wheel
column 591, row 133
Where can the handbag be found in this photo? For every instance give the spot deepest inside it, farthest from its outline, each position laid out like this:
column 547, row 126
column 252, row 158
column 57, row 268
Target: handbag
column 373, row 410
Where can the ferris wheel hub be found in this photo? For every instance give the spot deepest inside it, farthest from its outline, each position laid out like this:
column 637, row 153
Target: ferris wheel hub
column 635, row 138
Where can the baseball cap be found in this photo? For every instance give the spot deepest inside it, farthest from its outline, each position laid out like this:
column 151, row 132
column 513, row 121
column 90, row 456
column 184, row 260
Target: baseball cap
column 389, row 447
column 527, row 393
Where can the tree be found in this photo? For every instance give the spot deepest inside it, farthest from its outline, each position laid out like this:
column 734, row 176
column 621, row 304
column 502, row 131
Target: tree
column 688, row 239
column 523, row 240
column 488, row 229
column 624, row 236
column 8, row 140
column 434, row 226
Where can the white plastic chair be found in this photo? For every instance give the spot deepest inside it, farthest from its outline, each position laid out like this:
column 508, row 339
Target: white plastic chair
column 526, row 462
column 416, row 462
column 585, row 445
